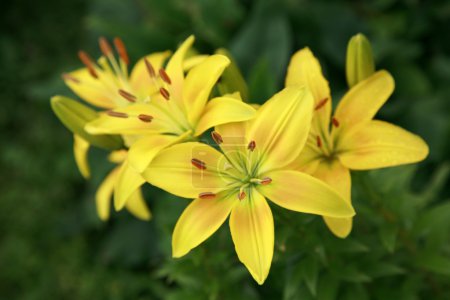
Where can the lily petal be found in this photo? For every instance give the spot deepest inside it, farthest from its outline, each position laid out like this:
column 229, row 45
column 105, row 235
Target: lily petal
column 128, row 181
column 338, row 177
column 192, row 61
column 104, row 193
column 90, row 89
column 223, row 110
column 303, row 193
column 137, row 206
column 283, row 119
column 199, row 221
column 176, row 73
column 379, row 144
column 130, row 123
column 199, row 83
column 80, row 151
column 140, row 80
column 304, row 69
column 172, row 170
column 143, row 151
column 364, row 100
column 252, row 230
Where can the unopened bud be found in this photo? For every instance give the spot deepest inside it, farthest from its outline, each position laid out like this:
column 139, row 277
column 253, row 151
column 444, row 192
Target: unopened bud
column 360, row 64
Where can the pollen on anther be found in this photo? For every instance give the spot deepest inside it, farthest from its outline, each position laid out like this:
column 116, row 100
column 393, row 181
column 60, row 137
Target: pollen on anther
column 128, row 96
column 150, row 69
column 105, row 47
column 319, row 141
column 165, row 93
column 164, row 76
column 335, row 122
column 266, row 180
column 207, row 195
column 69, row 77
column 145, row 118
column 242, row 195
column 216, row 137
column 117, row 114
column 321, row 103
column 87, row 61
column 120, row 47
column 201, row 165
column 251, row 146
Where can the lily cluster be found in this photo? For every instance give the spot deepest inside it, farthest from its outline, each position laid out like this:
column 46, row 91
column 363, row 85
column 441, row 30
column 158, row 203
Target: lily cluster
column 291, row 151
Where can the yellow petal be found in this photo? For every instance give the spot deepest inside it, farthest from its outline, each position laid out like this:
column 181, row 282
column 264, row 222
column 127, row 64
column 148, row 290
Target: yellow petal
column 379, row 144
column 309, row 158
column 173, row 171
column 234, row 142
column 145, row 149
column 80, row 151
column 281, row 127
column 338, row 177
column 128, row 181
column 176, row 73
column 131, row 124
column 90, row 89
column 140, row 80
column 199, row 221
column 118, row 156
column 192, row 61
column 199, row 83
column 223, row 110
column 304, row 69
column 364, row 100
column 252, row 230
column 104, row 193
column 137, row 206
column 303, row 193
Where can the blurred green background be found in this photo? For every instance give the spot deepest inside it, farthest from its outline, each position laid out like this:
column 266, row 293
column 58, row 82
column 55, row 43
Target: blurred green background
column 52, row 245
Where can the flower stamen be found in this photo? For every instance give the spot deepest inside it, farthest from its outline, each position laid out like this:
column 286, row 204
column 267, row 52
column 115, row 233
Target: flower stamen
column 251, row 146
column 321, row 103
column 87, row 61
column 165, row 93
column 150, row 69
column 335, row 122
column 201, row 165
column 164, row 76
column 319, row 141
column 145, row 118
column 207, row 195
column 128, row 96
column 117, row 114
column 66, row 76
column 216, row 137
column 120, row 47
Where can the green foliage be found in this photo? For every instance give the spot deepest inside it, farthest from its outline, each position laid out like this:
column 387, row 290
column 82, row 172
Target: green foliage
column 53, row 246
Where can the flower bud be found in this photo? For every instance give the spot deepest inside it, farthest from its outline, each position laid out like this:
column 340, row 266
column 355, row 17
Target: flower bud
column 232, row 80
column 359, row 64
column 75, row 116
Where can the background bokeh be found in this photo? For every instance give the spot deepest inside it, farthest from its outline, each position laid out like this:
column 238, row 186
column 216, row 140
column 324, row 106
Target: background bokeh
column 52, row 245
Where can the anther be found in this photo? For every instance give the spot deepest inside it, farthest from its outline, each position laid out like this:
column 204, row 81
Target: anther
column 251, row 146
column 164, row 76
column 87, row 61
column 265, row 181
column 201, row 165
column 207, row 195
column 321, row 103
column 164, row 93
column 145, row 118
column 150, row 69
column 105, row 47
column 216, row 137
column 319, row 142
column 120, row 47
column 117, row 114
column 241, row 195
column 69, row 77
column 335, row 122
column 127, row 96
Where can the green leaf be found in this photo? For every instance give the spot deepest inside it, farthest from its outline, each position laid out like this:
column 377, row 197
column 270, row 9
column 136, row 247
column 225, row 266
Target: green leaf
column 232, row 80
column 388, row 236
column 328, row 288
column 75, row 116
column 435, row 263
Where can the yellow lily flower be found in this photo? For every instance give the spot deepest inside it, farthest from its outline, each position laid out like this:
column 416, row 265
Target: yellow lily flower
column 355, row 141
column 107, row 84
column 135, row 204
column 252, row 166
column 178, row 111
